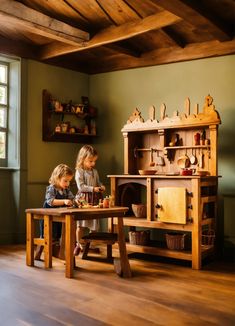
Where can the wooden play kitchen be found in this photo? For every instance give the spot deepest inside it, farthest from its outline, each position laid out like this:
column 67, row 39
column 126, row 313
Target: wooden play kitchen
column 171, row 165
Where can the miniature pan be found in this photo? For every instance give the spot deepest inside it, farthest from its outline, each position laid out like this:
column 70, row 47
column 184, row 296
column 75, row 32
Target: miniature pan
column 183, row 161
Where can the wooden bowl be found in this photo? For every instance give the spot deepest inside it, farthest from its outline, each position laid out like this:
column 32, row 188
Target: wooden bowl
column 202, row 173
column 147, row 172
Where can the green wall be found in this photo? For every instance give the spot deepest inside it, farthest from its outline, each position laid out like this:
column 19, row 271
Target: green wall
column 116, row 95
column 42, row 157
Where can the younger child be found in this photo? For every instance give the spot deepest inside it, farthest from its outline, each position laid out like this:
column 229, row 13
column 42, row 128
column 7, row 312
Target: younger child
column 89, row 189
column 58, row 194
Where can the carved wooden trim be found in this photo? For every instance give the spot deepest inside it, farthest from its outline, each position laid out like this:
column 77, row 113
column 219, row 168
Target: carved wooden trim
column 178, row 120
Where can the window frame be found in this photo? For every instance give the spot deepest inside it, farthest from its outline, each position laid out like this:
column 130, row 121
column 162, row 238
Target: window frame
column 3, row 161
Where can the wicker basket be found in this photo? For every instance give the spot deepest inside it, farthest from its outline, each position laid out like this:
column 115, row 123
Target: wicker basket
column 139, row 237
column 175, row 241
column 208, row 237
column 139, row 210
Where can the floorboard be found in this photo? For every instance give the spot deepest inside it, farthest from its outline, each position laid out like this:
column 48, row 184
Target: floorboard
column 161, row 292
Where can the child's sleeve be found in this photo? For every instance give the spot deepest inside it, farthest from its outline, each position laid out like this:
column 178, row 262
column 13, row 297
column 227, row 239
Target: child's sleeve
column 50, row 195
column 99, row 183
column 70, row 194
column 80, row 181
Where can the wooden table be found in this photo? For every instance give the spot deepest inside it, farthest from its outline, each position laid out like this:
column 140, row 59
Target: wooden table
column 69, row 216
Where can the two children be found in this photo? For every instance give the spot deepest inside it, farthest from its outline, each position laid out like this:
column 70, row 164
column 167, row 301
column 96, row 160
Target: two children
column 89, row 187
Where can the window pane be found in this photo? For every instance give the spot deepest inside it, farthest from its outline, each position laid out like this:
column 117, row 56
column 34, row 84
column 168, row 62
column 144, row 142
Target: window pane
column 3, row 74
column 3, row 117
column 2, row 145
column 3, row 95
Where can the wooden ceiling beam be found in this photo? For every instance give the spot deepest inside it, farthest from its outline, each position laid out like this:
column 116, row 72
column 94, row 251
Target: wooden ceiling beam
column 113, row 34
column 195, row 18
column 166, row 56
column 174, row 37
column 16, row 48
column 122, row 50
column 20, row 16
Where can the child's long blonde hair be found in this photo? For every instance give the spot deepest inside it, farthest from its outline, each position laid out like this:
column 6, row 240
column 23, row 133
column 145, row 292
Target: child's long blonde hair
column 60, row 171
column 85, row 151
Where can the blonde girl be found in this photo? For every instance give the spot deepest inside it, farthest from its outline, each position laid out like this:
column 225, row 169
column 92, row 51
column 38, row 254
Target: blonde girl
column 58, row 194
column 89, row 187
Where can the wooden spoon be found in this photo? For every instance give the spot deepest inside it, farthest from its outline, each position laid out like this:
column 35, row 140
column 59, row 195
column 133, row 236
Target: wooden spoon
column 201, row 160
column 151, row 163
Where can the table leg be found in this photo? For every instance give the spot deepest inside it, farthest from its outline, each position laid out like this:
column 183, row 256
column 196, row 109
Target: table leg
column 47, row 241
column 70, row 228
column 125, row 265
column 62, row 243
column 29, row 239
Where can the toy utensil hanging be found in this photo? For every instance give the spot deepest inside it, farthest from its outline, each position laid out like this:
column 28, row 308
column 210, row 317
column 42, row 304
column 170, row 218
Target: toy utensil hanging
column 183, row 161
column 201, row 159
column 193, row 159
column 151, row 163
column 160, row 160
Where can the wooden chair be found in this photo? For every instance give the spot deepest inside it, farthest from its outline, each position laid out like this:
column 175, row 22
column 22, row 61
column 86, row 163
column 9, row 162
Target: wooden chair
column 107, row 238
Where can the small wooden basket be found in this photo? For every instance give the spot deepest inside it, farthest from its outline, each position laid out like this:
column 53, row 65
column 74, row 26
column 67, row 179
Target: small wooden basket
column 175, row 241
column 139, row 210
column 208, row 237
column 139, row 237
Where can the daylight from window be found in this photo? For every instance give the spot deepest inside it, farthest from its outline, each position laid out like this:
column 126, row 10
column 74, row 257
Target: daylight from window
column 3, row 109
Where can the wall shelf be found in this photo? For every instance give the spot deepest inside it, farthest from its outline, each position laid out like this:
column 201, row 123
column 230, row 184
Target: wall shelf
column 51, row 118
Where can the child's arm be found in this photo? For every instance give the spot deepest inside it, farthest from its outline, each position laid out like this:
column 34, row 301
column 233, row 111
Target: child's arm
column 62, row 202
column 52, row 201
column 100, row 187
column 80, row 181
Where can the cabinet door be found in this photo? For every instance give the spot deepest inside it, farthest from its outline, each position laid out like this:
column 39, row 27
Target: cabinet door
column 173, row 205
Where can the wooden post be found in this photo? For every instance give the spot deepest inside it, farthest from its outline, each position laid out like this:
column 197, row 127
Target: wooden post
column 196, row 229
column 47, row 241
column 125, row 266
column 29, row 240
column 213, row 164
column 149, row 199
column 70, row 228
column 126, row 153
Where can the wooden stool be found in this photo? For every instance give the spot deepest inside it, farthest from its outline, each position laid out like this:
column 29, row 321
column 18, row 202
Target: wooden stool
column 107, row 238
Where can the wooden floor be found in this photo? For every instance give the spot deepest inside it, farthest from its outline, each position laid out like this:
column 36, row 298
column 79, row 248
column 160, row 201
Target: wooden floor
column 159, row 293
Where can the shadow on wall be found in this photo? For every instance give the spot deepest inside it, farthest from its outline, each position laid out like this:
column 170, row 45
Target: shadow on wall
column 229, row 228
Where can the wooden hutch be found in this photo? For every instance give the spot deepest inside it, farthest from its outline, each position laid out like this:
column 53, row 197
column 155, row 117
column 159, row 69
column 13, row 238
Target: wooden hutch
column 177, row 159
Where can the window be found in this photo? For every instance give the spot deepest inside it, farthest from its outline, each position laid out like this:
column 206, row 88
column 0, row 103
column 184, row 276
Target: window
column 4, row 109
column 10, row 105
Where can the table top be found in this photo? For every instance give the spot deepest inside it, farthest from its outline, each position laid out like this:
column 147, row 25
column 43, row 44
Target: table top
column 78, row 213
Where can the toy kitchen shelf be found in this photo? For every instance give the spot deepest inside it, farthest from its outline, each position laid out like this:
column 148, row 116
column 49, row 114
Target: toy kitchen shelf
column 51, row 118
column 175, row 202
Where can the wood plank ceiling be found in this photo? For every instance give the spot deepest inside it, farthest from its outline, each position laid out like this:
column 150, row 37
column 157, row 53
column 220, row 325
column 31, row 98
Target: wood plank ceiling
column 95, row 36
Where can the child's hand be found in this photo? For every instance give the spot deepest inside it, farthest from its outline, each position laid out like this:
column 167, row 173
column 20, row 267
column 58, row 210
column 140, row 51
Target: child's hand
column 102, row 188
column 68, row 202
column 98, row 189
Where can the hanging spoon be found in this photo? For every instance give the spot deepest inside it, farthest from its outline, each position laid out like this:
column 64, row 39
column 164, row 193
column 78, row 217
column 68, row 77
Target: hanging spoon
column 193, row 159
